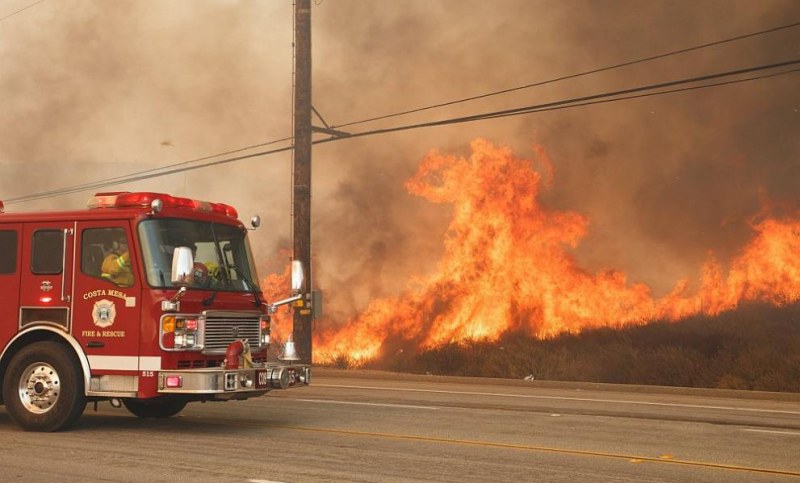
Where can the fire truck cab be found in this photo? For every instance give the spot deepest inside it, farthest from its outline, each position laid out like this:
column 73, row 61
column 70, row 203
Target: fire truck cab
column 144, row 299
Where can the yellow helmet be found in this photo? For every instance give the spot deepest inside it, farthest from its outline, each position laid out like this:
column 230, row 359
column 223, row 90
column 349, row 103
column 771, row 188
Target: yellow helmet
column 213, row 269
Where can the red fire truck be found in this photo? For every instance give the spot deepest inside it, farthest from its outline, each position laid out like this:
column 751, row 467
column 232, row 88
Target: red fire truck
column 148, row 300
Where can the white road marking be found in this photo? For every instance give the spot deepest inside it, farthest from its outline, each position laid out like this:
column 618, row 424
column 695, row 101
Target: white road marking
column 330, row 401
column 771, row 431
column 264, row 481
column 564, row 398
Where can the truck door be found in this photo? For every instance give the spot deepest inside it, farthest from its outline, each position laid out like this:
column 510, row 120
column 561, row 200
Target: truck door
column 10, row 248
column 46, row 282
column 107, row 302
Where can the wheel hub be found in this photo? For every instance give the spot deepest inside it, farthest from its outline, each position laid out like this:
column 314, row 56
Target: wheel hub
column 39, row 387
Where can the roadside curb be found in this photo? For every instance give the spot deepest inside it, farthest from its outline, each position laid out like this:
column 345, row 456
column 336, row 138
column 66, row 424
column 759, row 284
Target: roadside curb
column 578, row 386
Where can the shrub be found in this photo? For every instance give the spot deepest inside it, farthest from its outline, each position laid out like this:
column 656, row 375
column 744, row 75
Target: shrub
column 755, row 347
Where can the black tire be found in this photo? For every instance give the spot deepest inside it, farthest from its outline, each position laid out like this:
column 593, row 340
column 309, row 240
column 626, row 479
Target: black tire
column 43, row 387
column 162, row 407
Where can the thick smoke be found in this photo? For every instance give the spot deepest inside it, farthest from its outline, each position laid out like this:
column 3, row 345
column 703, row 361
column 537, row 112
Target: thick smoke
column 93, row 89
column 663, row 180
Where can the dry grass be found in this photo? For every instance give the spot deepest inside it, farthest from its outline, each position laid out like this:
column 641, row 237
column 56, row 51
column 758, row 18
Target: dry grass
column 756, row 347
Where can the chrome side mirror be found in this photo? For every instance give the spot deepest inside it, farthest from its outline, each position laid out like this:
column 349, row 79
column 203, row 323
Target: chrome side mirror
column 297, row 276
column 156, row 206
column 255, row 222
column 297, row 286
column 182, row 264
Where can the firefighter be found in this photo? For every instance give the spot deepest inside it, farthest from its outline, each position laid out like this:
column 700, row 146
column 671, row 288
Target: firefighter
column 117, row 264
column 211, row 274
column 204, row 274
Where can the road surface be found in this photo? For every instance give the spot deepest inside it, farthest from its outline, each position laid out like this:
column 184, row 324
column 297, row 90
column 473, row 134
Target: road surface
column 366, row 426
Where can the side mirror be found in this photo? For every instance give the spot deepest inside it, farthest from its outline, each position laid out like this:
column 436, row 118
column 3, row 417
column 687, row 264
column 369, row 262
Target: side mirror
column 156, row 206
column 297, row 286
column 182, row 264
column 297, row 276
column 255, row 222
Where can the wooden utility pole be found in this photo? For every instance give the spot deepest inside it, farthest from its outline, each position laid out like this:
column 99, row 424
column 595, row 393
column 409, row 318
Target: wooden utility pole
column 301, row 175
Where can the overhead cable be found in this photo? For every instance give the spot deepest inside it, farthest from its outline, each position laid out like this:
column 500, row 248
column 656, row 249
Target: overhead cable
column 20, row 10
column 152, row 172
column 572, row 76
column 586, row 99
column 607, row 97
column 137, row 175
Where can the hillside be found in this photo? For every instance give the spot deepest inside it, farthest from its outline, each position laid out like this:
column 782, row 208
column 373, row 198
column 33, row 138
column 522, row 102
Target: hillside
column 755, row 347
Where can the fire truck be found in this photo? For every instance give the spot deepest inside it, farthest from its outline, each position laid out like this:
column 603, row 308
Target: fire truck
column 145, row 300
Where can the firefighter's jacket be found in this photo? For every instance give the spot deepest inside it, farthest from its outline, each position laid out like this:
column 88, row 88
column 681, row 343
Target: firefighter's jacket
column 117, row 268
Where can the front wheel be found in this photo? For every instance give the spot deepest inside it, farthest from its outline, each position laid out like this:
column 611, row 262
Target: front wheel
column 43, row 388
column 155, row 408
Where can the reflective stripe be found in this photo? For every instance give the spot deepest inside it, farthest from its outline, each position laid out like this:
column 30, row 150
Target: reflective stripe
column 150, row 363
column 121, row 262
column 125, row 363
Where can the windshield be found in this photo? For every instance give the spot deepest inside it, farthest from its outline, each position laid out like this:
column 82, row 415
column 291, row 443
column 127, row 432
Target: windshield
column 222, row 259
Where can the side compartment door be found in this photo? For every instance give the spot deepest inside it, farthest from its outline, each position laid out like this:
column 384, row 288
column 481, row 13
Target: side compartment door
column 10, row 258
column 107, row 304
column 46, row 282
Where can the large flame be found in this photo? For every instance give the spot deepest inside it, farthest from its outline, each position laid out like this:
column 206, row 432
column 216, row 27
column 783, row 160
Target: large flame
column 507, row 266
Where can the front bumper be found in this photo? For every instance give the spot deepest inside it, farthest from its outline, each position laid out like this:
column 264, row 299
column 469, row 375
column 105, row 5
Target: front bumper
column 233, row 383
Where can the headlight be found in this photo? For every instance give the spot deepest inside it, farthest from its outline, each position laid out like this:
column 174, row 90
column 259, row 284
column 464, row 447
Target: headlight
column 181, row 332
column 264, row 329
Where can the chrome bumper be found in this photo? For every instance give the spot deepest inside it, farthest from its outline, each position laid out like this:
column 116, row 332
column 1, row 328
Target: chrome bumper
column 233, row 382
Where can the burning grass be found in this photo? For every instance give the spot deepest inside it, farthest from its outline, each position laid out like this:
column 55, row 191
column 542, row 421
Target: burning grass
column 756, row 347
column 509, row 299
column 508, row 267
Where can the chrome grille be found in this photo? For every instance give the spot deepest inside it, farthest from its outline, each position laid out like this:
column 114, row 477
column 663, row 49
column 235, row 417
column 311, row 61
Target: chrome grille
column 222, row 328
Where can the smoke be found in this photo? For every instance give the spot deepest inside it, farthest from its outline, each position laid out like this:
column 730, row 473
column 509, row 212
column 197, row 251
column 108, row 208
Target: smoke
column 94, row 89
column 663, row 180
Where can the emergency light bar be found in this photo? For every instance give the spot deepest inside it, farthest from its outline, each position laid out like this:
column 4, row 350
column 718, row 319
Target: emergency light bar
column 1, row 206
column 127, row 199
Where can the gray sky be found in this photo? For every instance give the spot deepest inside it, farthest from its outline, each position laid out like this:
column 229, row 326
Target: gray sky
column 92, row 89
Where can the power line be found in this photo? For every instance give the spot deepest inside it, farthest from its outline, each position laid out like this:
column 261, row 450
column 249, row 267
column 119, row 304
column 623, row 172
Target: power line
column 586, row 99
column 141, row 176
column 21, row 10
column 624, row 64
column 138, row 175
column 146, row 174
column 639, row 96
column 571, row 76
column 630, row 93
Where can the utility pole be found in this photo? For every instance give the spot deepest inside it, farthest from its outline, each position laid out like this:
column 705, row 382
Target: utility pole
column 301, row 174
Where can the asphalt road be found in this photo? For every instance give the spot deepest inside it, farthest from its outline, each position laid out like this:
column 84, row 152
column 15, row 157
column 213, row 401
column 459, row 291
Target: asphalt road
column 358, row 426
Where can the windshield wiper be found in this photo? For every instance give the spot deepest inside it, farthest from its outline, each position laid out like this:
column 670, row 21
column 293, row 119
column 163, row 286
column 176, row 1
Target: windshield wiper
column 225, row 270
column 223, row 263
column 210, row 300
column 252, row 288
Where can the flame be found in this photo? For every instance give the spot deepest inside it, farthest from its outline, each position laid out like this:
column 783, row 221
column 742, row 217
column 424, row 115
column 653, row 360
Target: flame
column 507, row 266
column 275, row 287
